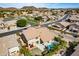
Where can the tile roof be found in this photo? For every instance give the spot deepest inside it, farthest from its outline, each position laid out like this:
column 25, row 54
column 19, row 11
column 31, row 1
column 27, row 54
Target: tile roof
column 42, row 32
column 7, row 42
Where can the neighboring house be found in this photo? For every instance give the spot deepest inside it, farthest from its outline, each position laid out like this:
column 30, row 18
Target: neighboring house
column 58, row 26
column 65, row 24
column 74, row 18
column 7, row 42
column 14, row 51
column 15, row 15
column 39, row 37
column 24, row 13
column 1, row 24
column 45, row 18
column 11, row 24
column 74, row 28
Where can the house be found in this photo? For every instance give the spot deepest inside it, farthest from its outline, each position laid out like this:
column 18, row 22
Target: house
column 74, row 18
column 74, row 28
column 8, row 42
column 14, row 51
column 45, row 18
column 1, row 24
column 58, row 26
column 39, row 37
column 65, row 24
column 10, row 24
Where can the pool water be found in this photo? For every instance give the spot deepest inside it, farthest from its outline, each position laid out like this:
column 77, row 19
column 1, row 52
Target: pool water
column 51, row 46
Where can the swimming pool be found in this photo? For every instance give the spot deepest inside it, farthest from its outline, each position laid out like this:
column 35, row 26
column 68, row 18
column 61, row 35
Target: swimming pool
column 51, row 45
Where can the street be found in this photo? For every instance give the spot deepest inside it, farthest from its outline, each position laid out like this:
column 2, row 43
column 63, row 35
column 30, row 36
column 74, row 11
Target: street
column 63, row 19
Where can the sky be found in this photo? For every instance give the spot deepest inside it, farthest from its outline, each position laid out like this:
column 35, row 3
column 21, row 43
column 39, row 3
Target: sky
column 47, row 5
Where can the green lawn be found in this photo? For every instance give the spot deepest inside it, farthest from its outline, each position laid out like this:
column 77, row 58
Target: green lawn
column 32, row 21
column 26, row 21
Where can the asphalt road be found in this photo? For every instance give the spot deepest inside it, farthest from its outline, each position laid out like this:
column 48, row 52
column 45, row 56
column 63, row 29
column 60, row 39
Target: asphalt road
column 12, row 32
column 63, row 19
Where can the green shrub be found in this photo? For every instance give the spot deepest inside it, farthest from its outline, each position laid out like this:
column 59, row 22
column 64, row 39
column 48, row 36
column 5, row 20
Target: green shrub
column 73, row 44
column 32, row 21
column 25, row 51
column 21, row 23
column 57, row 39
column 39, row 18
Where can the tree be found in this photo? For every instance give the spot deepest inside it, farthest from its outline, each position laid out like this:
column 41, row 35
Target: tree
column 21, row 23
column 73, row 44
column 39, row 18
column 68, row 12
column 57, row 39
column 71, row 47
column 25, row 51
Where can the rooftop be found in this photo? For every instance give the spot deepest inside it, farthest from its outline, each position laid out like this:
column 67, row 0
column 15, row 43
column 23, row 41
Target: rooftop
column 65, row 23
column 74, row 17
column 44, row 33
column 7, row 42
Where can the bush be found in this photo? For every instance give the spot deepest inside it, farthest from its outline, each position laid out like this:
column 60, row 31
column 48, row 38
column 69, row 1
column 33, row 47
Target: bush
column 73, row 44
column 32, row 21
column 57, row 39
column 71, row 47
column 21, row 23
column 25, row 51
column 39, row 18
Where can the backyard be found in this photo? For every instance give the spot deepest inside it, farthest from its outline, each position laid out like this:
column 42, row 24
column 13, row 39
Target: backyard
column 54, row 50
